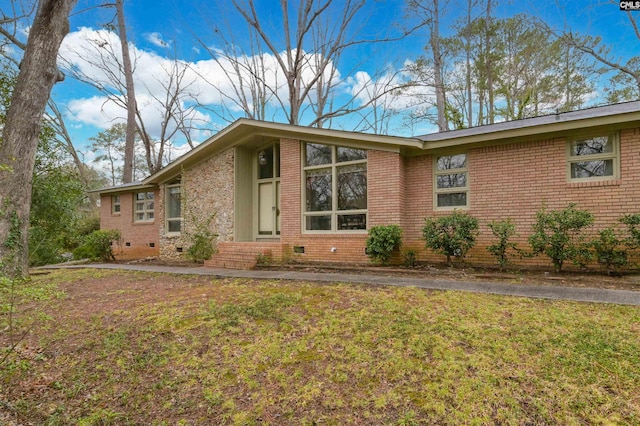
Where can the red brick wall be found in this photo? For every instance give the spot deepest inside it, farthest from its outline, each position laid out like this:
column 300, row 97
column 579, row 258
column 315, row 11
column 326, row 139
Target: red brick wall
column 385, row 193
column 515, row 181
column 139, row 236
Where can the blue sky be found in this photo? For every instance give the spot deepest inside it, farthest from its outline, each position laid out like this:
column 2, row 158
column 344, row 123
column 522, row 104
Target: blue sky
column 163, row 29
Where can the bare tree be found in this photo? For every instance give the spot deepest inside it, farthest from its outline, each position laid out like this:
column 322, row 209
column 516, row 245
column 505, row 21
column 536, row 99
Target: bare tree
column 99, row 63
column 628, row 71
column 38, row 74
column 10, row 23
column 301, row 77
column 429, row 11
column 130, row 95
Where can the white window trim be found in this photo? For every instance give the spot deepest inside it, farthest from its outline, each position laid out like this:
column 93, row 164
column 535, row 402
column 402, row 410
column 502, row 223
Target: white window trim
column 145, row 211
column 613, row 155
column 334, row 212
column 166, row 210
column 437, row 191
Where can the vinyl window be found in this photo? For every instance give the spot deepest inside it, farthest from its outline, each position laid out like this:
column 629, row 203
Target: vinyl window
column 115, row 204
column 174, row 209
column 451, row 182
column 593, row 158
column 143, row 207
column 335, row 192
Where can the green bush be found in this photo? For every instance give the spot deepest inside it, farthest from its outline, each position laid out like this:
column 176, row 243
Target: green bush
column 98, row 245
column 409, row 257
column 452, row 235
column 503, row 230
column 609, row 251
column 633, row 227
column 202, row 246
column 559, row 235
column 383, row 240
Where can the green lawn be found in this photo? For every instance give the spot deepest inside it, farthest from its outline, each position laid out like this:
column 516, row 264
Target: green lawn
column 107, row 347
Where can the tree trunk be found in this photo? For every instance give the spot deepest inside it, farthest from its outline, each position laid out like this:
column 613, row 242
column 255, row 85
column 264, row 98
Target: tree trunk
column 437, row 68
column 127, row 172
column 489, row 63
column 38, row 74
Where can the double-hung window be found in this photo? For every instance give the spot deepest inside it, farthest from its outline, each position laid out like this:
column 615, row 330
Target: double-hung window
column 143, row 207
column 594, row 158
column 115, row 204
column 451, row 182
column 174, row 209
column 335, row 194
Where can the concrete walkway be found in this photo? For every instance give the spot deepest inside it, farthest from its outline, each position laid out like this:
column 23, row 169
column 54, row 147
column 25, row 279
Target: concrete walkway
column 595, row 295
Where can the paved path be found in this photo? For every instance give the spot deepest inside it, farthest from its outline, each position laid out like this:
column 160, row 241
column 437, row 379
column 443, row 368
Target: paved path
column 596, row 295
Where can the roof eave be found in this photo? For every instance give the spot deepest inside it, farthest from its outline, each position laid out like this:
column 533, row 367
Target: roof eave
column 243, row 130
column 555, row 126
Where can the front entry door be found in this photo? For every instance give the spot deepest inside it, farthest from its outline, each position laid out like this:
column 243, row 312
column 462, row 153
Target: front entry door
column 268, row 191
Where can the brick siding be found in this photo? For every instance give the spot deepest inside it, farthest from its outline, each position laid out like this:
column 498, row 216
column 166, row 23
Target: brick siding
column 137, row 237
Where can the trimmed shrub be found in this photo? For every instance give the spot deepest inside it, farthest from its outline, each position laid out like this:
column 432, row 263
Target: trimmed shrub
column 559, row 235
column 97, row 245
column 383, row 240
column 503, row 230
column 453, row 235
column 609, row 251
column 633, row 227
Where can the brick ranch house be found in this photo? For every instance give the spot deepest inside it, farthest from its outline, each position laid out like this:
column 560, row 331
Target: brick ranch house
column 282, row 190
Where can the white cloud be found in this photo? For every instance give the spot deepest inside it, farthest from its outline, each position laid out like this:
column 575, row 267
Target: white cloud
column 156, row 39
column 214, row 82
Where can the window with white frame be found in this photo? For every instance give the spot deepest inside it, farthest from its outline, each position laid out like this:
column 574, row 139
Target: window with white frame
column 594, row 158
column 143, row 207
column 451, row 181
column 115, row 204
column 335, row 194
column 174, row 209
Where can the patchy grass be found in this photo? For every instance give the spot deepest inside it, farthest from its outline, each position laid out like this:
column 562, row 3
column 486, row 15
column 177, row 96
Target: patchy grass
column 134, row 348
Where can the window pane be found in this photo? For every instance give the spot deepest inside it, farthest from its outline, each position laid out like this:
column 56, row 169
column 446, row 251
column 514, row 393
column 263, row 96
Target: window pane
column 174, row 225
column 452, row 162
column 352, row 187
column 352, row 221
column 139, row 206
column 175, row 208
column 318, row 223
column 598, row 145
column 457, row 180
column 139, row 216
column 351, row 154
column 318, row 154
column 586, row 169
column 318, row 190
column 139, row 195
column 150, row 216
column 455, row 199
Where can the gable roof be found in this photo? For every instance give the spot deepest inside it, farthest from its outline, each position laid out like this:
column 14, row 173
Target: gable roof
column 248, row 131
column 253, row 132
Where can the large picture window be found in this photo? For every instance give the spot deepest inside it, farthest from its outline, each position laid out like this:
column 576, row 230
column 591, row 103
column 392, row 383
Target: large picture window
column 174, row 209
column 335, row 188
column 593, row 158
column 143, row 207
column 451, row 181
